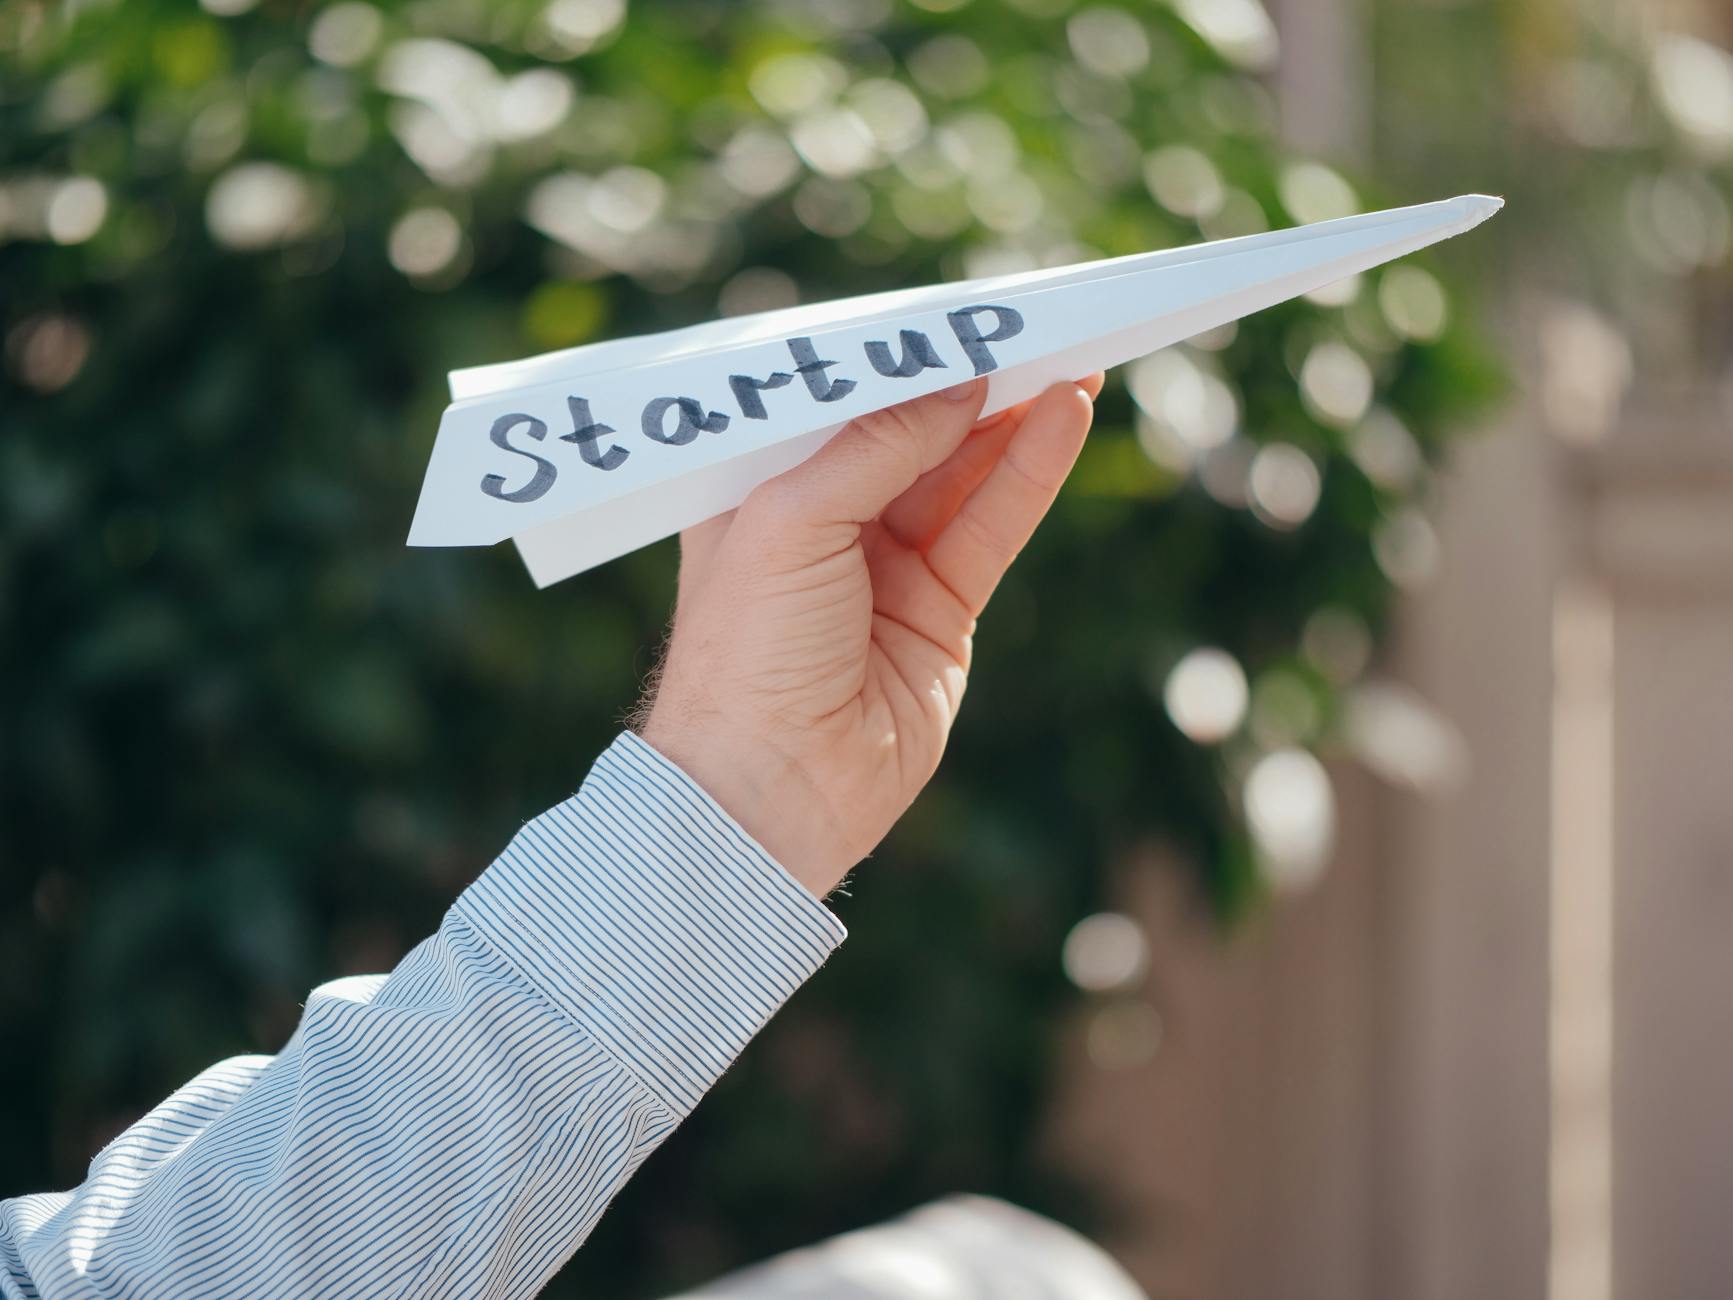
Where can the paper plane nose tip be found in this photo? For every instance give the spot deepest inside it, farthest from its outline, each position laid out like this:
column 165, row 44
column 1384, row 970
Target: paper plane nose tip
column 1478, row 207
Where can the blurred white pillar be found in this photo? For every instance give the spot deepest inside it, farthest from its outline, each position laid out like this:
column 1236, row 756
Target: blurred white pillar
column 1580, row 1161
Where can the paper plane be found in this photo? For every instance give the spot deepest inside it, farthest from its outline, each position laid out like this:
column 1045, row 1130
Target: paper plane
column 584, row 455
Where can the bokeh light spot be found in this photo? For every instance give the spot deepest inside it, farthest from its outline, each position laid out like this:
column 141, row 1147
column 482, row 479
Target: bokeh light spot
column 259, row 205
column 77, row 210
column 791, row 84
column 1407, row 548
column 424, row 242
column 1694, row 81
column 1108, row 41
column 756, row 289
column 1413, row 302
column 1239, row 30
column 579, row 26
column 343, row 35
column 1336, row 384
column 1283, row 485
column 1206, row 694
column 949, row 66
column 832, row 208
column 1313, row 192
column 532, row 104
column 46, row 352
column 1105, row 953
column 758, row 162
column 1385, row 451
column 1188, row 407
column 1184, row 181
column 1291, row 815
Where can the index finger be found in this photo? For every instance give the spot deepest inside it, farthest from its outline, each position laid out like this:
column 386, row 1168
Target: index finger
column 994, row 522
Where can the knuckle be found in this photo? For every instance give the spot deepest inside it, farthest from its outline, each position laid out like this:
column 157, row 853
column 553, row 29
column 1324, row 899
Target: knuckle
column 775, row 500
column 895, row 431
column 983, row 533
column 1028, row 481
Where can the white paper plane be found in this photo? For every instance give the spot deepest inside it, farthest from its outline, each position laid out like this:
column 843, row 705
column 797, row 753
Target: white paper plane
column 586, row 454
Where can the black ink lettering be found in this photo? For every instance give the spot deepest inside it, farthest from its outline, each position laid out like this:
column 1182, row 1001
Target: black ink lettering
column 974, row 342
column 692, row 421
column 586, row 432
column 746, row 390
column 918, row 355
column 811, row 369
column 494, row 484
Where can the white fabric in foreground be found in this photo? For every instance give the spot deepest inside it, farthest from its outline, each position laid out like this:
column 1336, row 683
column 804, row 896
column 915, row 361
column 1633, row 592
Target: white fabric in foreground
column 960, row 1248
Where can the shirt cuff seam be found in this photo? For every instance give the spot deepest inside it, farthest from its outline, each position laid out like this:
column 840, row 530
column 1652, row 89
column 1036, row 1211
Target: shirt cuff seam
column 596, row 997
column 655, row 924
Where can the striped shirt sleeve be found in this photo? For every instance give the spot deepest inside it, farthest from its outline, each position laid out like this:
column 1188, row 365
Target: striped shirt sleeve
column 457, row 1127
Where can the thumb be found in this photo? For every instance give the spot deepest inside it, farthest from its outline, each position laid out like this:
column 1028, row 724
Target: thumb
column 872, row 461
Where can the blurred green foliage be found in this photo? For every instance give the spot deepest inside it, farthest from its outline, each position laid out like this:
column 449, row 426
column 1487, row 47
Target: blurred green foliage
column 248, row 742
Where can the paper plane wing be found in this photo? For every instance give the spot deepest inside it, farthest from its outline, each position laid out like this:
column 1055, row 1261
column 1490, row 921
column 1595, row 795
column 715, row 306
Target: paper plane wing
column 584, row 455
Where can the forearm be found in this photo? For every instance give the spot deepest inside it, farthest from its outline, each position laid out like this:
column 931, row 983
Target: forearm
column 457, row 1127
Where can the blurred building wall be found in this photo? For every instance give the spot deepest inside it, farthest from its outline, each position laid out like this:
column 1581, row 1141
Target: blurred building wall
column 1490, row 1053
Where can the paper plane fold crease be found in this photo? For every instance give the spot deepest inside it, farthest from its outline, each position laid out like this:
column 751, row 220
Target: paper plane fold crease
column 587, row 454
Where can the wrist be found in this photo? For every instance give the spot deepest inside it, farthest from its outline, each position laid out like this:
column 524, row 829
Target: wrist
column 765, row 793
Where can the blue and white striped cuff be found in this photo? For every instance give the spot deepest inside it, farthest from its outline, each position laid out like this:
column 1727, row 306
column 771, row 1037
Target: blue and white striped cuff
column 642, row 910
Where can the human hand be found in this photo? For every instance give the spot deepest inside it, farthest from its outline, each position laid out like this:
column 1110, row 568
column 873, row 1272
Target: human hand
column 823, row 629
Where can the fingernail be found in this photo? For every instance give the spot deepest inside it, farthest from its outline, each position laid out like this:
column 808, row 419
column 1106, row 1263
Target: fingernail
column 962, row 392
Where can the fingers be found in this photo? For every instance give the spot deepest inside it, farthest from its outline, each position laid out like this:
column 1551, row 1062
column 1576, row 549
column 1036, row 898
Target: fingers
column 921, row 513
column 874, row 460
column 916, row 517
column 993, row 523
column 906, row 591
